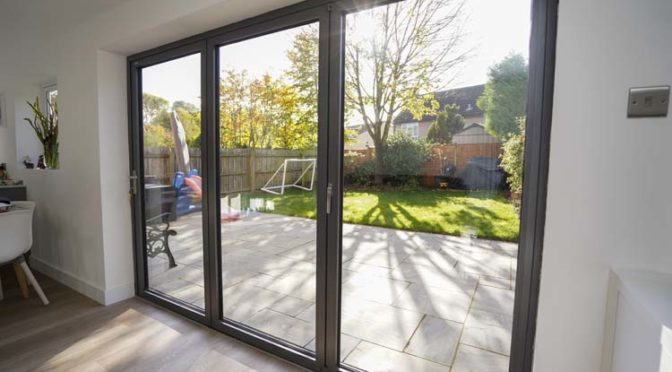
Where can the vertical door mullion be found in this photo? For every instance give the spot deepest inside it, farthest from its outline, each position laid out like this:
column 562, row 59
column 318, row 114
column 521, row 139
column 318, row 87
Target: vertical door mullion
column 335, row 167
column 210, row 167
column 322, row 260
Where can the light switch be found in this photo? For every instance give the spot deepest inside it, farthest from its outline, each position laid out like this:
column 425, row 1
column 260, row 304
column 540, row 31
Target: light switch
column 648, row 102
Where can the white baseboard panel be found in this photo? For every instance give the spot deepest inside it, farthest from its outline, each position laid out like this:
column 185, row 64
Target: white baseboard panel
column 82, row 286
column 119, row 293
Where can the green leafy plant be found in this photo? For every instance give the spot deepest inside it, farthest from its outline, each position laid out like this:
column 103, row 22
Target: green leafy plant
column 46, row 130
column 512, row 157
column 403, row 158
column 358, row 169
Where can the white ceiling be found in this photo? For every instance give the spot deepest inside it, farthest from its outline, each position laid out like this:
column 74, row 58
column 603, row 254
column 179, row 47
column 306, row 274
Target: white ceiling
column 29, row 23
column 37, row 36
column 44, row 18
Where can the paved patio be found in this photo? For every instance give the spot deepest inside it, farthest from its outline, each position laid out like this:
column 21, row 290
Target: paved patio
column 411, row 301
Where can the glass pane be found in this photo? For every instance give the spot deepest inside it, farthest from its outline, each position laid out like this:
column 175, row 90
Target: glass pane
column 171, row 118
column 435, row 100
column 268, row 143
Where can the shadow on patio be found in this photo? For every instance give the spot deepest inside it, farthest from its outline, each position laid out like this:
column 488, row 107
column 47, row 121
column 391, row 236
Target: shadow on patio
column 410, row 300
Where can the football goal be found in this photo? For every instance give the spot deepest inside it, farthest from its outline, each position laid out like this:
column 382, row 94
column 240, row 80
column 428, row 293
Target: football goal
column 286, row 176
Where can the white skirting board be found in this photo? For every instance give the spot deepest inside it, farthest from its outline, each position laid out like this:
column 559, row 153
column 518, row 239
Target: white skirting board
column 100, row 295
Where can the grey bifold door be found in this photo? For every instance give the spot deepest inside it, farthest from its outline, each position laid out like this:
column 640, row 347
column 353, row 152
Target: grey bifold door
column 271, row 122
column 225, row 131
column 341, row 183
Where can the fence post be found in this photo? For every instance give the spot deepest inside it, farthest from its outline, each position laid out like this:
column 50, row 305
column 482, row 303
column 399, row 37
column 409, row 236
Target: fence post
column 252, row 168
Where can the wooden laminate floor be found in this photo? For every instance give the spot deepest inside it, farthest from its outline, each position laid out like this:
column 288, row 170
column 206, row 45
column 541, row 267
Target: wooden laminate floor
column 74, row 333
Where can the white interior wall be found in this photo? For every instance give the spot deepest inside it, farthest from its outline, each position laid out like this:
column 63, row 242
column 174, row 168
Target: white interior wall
column 610, row 181
column 7, row 138
column 114, row 182
column 69, row 244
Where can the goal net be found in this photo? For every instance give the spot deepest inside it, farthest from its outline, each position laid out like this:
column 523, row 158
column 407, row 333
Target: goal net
column 298, row 173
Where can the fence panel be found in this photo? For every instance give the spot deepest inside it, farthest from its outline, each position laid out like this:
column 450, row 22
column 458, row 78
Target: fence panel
column 241, row 170
column 245, row 170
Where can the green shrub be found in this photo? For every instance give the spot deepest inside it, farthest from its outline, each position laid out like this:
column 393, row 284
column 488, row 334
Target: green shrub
column 362, row 174
column 512, row 158
column 403, row 158
column 358, row 171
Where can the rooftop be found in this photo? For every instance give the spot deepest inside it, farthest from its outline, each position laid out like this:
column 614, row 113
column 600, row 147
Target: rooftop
column 464, row 97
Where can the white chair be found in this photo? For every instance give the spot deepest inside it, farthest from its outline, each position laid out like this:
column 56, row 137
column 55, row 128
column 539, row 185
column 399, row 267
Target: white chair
column 16, row 238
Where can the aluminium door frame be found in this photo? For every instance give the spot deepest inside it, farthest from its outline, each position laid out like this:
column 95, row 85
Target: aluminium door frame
column 543, row 33
column 239, row 330
column 138, row 184
column 539, row 112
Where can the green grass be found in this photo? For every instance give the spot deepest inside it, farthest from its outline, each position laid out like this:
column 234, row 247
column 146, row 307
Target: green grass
column 488, row 215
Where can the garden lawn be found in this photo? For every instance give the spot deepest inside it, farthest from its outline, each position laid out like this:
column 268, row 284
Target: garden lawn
column 486, row 214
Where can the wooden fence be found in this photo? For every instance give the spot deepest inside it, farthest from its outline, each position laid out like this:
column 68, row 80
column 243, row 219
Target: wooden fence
column 457, row 155
column 240, row 169
column 244, row 170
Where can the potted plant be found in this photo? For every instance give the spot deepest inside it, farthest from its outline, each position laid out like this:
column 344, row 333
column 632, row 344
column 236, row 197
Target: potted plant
column 46, row 130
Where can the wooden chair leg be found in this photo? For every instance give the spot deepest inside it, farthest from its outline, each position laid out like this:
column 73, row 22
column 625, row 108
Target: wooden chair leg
column 34, row 283
column 21, row 278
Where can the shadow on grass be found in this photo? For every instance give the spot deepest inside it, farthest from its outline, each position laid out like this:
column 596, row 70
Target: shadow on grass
column 486, row 214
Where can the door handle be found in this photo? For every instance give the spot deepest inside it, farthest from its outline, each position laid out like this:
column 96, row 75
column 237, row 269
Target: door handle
column 134, row 183
column 330, row 191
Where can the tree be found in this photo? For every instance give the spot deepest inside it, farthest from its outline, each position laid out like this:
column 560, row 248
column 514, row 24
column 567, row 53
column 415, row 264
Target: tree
column 303, row 72
column 151, row 107
column 190, row 117
column 395, row 57
column 157, row 136
column 155, row 121
column 245, row 110
column 262, row 113
column 512, row 157
column 447, row 123
column 505, row 96
column 232, row 113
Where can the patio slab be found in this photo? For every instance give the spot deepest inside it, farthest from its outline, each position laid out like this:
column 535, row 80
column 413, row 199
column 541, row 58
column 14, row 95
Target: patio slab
column 424, row 342
column 372, row 357
column 411, row 301
column 471, row 359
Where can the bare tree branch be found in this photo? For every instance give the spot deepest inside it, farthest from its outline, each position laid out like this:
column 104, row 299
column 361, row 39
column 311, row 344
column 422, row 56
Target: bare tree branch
column 414, row 48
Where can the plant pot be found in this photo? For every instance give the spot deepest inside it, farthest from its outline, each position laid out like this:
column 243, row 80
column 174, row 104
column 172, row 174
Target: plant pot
column 50, row 155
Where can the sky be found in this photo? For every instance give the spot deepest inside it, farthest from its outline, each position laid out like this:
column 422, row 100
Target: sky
column 493, row 30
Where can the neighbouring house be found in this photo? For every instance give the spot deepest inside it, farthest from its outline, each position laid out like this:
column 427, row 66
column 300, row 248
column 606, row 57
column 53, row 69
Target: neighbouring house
column 359, row 139
column 465, row 98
